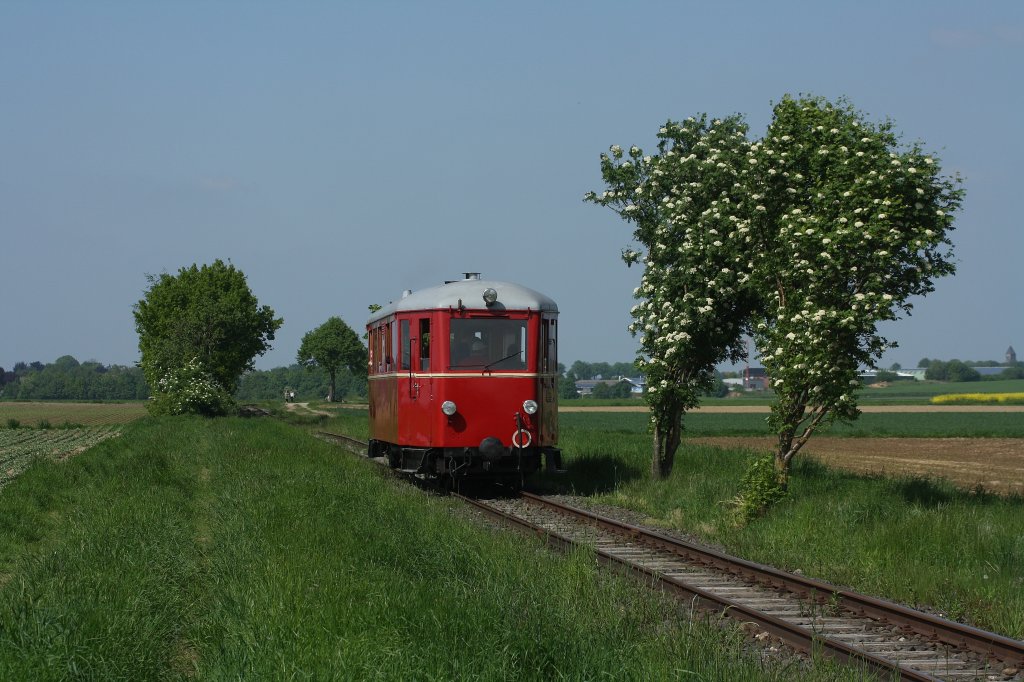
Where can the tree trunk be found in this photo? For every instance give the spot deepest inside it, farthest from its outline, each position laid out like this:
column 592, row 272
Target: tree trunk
column 330, row 395
column 666, row 442
column 790, row 443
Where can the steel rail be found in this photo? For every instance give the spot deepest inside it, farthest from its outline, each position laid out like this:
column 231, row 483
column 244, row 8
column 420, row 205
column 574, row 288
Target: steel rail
column 950, row 632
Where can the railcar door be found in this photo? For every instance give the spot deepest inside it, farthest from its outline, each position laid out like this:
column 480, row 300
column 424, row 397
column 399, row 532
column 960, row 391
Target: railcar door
column 419, row 394
column 547, row 388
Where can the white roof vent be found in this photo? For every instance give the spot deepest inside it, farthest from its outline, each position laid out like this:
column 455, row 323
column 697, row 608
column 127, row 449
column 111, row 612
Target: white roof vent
column 472, row 275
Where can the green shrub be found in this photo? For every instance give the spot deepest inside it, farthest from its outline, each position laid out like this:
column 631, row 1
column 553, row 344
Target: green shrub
column 13, row 423
column 760, row 488
column 190, row 389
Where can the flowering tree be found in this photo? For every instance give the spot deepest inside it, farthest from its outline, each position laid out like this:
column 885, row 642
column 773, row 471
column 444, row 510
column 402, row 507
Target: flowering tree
column 848, row 226
column 808, row 238
column 690, row 208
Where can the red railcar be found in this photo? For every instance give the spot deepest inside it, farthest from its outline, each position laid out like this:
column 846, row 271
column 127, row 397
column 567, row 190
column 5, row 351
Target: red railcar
column 463, row 380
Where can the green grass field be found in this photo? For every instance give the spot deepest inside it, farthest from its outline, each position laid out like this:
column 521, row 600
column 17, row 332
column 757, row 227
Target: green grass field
column 913, row 425
column 246, row 549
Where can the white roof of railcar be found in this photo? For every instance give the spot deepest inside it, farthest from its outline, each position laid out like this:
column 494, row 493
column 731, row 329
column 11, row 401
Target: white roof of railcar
column 470, row 293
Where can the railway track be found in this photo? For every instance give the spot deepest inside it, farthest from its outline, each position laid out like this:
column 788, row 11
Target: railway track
column 806, row 614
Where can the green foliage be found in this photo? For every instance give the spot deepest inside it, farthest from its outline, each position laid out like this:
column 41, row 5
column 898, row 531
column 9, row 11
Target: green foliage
column 619, row 390
column 760, row 488
column 604, row 370
column 13, row 423
column 331, row 347
column 269, row 384
column 954, row 370
column 206, row 314
column 67, row 379
column 190, row 389
column 567, row 387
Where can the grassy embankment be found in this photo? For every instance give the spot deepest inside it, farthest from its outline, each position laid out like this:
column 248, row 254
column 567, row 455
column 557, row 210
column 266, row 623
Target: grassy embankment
column 922, row 542
column 244, row 548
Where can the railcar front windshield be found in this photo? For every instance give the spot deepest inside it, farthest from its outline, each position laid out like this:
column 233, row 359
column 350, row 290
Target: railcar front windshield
column 488, row 343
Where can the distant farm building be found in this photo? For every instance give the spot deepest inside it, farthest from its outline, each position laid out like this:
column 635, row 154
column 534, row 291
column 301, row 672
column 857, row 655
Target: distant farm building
column 637, row 385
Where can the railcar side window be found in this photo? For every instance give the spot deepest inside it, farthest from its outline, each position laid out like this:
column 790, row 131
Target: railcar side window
column 479, row 343
column 425, row 345
column 406, row 345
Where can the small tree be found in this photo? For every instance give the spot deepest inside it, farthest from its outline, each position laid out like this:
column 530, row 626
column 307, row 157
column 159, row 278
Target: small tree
column 331, row 347
column 202, row 322
column 689, row 204
column 567, row 387
column 849, row 227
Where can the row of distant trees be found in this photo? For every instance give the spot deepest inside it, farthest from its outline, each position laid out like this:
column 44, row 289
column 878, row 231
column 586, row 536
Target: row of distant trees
column 68, row 379
column 956, row 370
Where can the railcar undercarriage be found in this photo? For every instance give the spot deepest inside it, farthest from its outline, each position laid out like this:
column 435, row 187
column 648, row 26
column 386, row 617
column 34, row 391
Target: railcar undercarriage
column 457, row 463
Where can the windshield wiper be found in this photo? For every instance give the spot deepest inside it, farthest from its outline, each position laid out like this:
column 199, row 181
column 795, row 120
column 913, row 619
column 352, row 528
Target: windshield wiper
column 488, row 365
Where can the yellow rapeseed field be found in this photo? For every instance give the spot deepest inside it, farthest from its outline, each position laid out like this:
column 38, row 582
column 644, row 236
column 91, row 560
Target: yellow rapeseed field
column 970, row 398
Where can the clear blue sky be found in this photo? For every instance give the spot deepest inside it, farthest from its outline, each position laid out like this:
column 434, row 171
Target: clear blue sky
column 340, row 152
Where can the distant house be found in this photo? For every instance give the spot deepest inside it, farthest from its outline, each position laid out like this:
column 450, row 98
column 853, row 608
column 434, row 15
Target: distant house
column 755, row 379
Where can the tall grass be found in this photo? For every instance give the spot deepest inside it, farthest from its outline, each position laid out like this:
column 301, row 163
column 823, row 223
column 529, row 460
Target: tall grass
column 244, row 548
column 920, row 541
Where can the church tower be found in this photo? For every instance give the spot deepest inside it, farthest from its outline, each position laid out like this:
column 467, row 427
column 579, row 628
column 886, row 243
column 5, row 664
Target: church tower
column 1011, row 356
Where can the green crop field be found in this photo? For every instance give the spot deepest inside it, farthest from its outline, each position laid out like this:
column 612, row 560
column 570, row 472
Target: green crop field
column 20, row 447
column 78, row 414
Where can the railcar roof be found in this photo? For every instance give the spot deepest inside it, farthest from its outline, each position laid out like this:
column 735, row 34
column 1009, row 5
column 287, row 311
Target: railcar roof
column 470, row 292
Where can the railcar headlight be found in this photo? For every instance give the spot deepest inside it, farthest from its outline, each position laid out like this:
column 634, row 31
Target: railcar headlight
column 530, row 406
column 448, row 407
column 490, row 296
